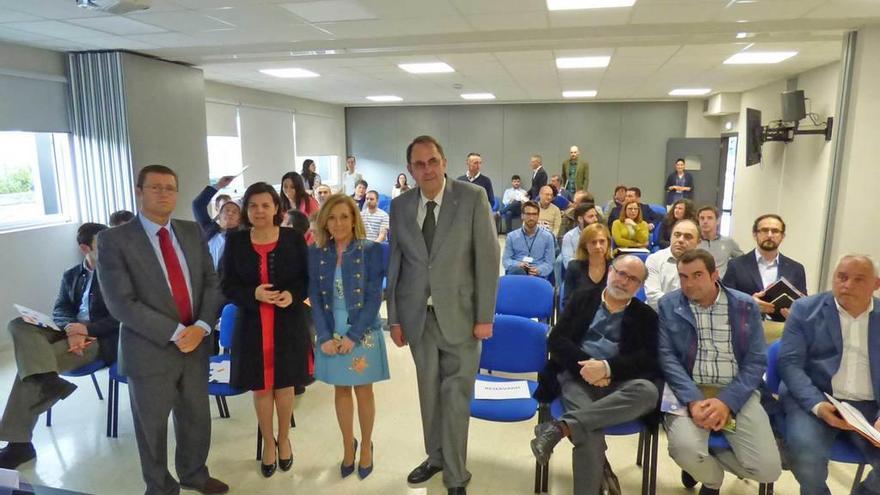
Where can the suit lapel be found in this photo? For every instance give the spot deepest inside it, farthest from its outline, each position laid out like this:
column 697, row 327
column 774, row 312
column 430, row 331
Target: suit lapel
column 143, row 250
column 832, row 323
column 447, row 214
column 683, row 310
column 754, row 272
column 410, row 218
column 874, row 347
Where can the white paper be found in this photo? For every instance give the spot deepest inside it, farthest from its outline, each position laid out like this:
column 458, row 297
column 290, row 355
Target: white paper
column 633, row 250
column 218, row 372
column 669, row 403
column 34, row 317
column 516, row 389
column 855, row 418
column 9, row 479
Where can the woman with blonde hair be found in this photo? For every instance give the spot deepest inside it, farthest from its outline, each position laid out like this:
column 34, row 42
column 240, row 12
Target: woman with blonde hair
column 345, row 290
column 630, row 230
column 589, row 268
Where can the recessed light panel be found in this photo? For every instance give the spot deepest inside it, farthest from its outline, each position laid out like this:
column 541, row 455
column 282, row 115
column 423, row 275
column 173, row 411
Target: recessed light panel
column 427, row 68
column 591, row 93
column 587, row 4
column 384, row 98
column 478, row 96
column 690, row 92
column 759, row 57
column 292, row 72
column 582, row 62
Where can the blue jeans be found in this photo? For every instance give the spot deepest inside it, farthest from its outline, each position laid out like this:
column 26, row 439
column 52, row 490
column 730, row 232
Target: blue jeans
column 808, row 441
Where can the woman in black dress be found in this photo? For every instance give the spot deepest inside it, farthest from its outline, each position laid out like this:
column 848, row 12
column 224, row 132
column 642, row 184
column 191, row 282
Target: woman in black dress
column 589, row 268
column 265, row 274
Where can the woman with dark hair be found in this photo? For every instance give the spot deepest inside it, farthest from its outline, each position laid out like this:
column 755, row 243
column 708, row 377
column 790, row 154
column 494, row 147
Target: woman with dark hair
column 345, row 290
column 294, row 195
column 679, row 184
column 310, row 176
column 265, row 274
column 401, row 186
column 681, row 209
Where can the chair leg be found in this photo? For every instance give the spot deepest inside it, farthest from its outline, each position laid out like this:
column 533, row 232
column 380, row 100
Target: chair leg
column 115, row 409
column 539, row 475
column 640, row 454
column 225, row 406
column 109, row 406
column 858, row 479
column 259, row 444
column 219, row 406
column 49, row 417
column 644, row 461
column 655, row 442
column 97, row 388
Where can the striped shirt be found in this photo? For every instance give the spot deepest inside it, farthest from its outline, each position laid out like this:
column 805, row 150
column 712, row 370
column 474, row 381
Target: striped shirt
column 375, row 222
column 715, row 362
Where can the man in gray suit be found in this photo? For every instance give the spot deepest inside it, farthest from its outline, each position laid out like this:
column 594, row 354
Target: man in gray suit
column 159, row 282
column 442, row 281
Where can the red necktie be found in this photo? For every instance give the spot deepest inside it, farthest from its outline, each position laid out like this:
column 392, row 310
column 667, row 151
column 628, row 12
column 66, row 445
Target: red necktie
column 175, row 277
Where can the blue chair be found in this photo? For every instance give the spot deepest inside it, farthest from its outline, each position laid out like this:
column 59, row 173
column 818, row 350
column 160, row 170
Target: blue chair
column 385, row 203
column 113, row 400
column 227, row 331
column 646, row 457
column 386, row 255
column 842, row 450
column 561, row 202
column 522, row 295
column 641, row 295
column 496, row 204
column 86, row 370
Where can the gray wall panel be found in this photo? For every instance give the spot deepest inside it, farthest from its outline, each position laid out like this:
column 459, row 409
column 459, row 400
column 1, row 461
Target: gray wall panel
column 479, row 129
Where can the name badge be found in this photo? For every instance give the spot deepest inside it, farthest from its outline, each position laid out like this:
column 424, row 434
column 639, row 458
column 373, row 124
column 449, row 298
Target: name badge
column 528, row 259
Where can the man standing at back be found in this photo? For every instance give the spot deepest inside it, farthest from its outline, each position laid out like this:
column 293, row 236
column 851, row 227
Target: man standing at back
column 159, row 282
column 442, row 282
column 473, row 175
column 575, row 172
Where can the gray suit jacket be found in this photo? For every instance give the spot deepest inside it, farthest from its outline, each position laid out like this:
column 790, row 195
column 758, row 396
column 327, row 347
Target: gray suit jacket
column 460, row 272
column 138, row 295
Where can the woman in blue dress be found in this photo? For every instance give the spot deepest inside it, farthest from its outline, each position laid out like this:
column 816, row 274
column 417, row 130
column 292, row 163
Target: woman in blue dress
column 345, row 290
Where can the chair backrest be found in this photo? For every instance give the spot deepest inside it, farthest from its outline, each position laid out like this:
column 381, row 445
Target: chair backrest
column 517, row 345
column 227, row 325
column 384, row 203
column 522, row 295
column 561, row 202
column 496, row 203
column 386, row 254
column 772, row 377
column 640, row 295
column 658, row 209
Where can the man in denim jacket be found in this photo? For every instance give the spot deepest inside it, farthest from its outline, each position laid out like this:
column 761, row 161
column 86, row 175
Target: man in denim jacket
column 713, row 356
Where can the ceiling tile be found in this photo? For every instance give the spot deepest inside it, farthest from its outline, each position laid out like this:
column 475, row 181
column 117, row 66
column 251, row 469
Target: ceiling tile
column 330, row 10
column 184, row 22
column 519, row 20
column 117, row 25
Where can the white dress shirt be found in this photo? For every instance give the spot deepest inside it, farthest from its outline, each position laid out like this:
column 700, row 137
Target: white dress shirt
column 769, row 270
column 853, row 379
column 662, row 276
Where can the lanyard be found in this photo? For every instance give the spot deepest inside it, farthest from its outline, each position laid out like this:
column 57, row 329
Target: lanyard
column 526, row 239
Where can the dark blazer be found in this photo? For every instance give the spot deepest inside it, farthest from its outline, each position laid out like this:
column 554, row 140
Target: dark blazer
column 100, row 324
column 743, row 275
column 812, row 348
column 577, row 278
column 688, row 182
column 538, row 181
column 638, row 344
column 138, row 295
column 288, row 270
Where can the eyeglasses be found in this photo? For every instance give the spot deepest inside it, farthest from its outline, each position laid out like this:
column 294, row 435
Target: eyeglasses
column 627, row 276
column 769, row 231
column 161, row 189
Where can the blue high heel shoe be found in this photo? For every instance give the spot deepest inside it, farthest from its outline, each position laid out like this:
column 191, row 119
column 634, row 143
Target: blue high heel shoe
column 344, row 470
column 363, row 472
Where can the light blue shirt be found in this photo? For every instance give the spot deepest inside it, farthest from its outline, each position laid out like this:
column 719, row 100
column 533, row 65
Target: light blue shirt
column 152, row 230
column 569, row 244
column 216, row 245
column 541, row 247
column 83, row 314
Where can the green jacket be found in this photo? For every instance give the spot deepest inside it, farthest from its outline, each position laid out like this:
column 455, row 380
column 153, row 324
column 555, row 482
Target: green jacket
column 582, row 175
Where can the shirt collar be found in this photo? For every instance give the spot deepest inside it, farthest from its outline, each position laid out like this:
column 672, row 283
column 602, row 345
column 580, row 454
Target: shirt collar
column 762, row 261
column 846, row 314
column 85, row 266
column 471, row 179
column 151, row 227
column 668, row 255
column 715, row 302
column 605, row 304
column 438, row 199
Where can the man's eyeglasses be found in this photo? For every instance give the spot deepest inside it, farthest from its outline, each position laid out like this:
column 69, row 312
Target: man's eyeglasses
column 769, row 231
column 627, row 276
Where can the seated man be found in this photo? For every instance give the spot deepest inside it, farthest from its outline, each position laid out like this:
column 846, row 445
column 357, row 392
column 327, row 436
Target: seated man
column 603, row 362
column 561, row 192
column 765, row 264
column 228, row 218
column 550, row 216
column 376, row 221
column 713, row 357
column 649, row 215
column 569, row 221
column 663, row 265
column 586, row 214
column 831, row 345
column 529, row 250
column 322, row 192
column 42, row 353
column 360, row 193
column 120, row 217
column 722, row 248
column 512, row 201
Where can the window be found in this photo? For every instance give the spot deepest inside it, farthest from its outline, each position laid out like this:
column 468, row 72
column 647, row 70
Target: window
column 35, row 179
column 327, row 167
column 729, row 176
column 224, row 158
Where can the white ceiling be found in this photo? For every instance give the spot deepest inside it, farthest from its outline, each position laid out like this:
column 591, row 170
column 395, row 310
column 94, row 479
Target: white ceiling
column 506, row 47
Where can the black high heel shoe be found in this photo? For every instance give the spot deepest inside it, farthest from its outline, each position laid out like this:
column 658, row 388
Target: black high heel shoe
column 268, row 470
column 286, row 464
column 363, row 472
column 344, row 470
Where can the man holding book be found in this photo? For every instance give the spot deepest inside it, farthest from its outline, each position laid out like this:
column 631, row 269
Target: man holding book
column 713, row 356
column 831, row 345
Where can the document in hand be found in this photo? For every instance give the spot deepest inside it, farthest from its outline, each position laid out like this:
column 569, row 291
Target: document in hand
column 34, row 317
column 782, row 295
column 516, row 389
column 855, row 419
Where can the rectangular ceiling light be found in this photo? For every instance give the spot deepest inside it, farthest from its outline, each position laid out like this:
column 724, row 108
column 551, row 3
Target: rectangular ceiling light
column 590, row 93
column 384, row 98
column 587, row 4
column 690, row 92
column 427, row 68
column 582, row 62
column 478, row 96
column 759, row 57
column 289, row 73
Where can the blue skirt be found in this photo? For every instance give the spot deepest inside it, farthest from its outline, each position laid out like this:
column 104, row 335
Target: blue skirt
column 367, row 363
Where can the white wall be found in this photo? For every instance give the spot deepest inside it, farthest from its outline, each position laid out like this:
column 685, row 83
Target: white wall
column 793, row 178
column 698, row 125
column 858, row 216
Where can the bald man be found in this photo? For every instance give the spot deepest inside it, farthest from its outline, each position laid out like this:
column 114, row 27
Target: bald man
column 575, row 172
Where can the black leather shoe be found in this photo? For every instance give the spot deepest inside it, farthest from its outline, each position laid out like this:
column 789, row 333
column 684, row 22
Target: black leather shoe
column 459, row 490
column 268, row 469
column 286, row 464
column 52, row 389
column 16, row 454
column 709, row 491
column 687, row 480
column 210, row 486
column 423, row 473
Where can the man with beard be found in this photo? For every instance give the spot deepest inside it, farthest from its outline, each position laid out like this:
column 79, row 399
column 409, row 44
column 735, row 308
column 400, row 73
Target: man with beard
column 603, row 363
column 662, row 265
column 756, row 270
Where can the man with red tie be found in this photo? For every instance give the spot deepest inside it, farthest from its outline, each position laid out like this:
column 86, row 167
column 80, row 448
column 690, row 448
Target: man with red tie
column 159, row 282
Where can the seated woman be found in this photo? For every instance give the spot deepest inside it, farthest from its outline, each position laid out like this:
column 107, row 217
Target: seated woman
column 589, row 268
column 683, row 208
column 630, row 230
column 345, row 290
